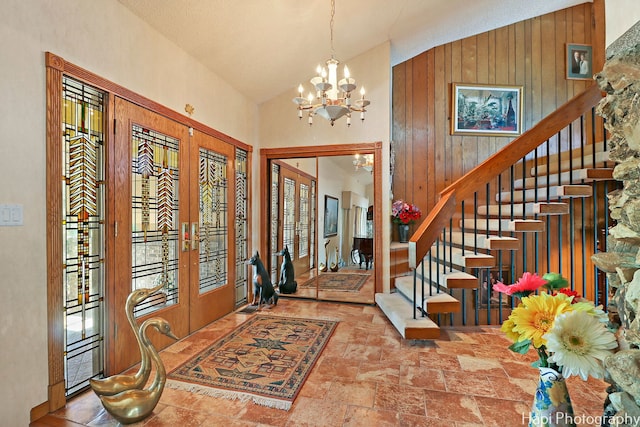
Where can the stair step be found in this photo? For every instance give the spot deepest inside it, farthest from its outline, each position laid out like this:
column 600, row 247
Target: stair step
column 601, row 157
column 505, row 225
column 436, row 302
column 524, row 209
column 399, row 311
column 483, row 241
column 575, row 176
column 445, row 277
column 543, row 193
column 455, row 256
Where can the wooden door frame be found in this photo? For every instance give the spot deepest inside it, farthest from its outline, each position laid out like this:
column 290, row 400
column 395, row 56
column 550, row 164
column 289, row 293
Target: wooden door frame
column 57, row 67
column 267, row 155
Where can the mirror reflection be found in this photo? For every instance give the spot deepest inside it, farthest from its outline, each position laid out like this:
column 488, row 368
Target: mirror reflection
column 321, row 227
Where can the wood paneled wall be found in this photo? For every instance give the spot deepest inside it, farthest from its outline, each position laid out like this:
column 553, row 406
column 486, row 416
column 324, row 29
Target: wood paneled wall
column 530, row 53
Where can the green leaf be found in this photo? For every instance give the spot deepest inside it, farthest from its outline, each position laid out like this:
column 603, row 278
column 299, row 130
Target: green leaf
column 555, row 281
column 521, row 347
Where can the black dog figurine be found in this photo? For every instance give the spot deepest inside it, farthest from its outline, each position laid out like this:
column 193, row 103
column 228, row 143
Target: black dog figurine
column 286, row 285
column 263, row 291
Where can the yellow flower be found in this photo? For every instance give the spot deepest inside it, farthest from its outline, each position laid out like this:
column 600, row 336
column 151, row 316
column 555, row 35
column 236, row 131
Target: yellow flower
column 507, row 328
column 536, row 314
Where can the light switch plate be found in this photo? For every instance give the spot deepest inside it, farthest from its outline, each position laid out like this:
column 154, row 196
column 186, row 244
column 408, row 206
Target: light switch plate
column 11, row 215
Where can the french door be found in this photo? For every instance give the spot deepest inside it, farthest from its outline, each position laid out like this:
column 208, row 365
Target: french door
column 173, row 228
column 296, row 217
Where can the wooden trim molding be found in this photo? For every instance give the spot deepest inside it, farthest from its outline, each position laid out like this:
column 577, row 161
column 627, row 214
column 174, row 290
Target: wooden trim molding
column 55, row 314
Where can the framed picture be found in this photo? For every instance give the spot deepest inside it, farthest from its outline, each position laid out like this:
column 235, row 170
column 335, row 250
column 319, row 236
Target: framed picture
column 330, row 216
column 579, row 65
column 489, row 110
column 488, row 277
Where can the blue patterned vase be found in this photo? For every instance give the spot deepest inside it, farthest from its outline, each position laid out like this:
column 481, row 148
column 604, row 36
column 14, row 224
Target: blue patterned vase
column 551, row 404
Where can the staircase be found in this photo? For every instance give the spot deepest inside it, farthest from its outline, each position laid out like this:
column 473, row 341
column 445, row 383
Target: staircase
column 518, row 211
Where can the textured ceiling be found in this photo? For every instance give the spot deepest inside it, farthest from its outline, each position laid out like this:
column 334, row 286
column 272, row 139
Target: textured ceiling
column 266, row 47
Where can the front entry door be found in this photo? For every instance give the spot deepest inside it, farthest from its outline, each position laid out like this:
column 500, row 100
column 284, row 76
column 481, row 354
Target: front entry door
column 157, row 183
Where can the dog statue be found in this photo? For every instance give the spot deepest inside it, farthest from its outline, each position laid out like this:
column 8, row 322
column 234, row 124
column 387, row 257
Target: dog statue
column 286, row 285
column 263, row 291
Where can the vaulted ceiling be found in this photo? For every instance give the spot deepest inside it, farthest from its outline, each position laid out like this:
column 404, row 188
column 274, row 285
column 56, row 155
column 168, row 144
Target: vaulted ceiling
column 266, row 47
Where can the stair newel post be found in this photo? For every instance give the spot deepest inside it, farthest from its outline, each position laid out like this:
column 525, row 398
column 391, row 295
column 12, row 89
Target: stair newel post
column 501, row 279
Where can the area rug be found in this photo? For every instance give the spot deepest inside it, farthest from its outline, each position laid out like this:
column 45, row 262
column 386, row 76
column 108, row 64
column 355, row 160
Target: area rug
column 350, row 282
column 266, row 359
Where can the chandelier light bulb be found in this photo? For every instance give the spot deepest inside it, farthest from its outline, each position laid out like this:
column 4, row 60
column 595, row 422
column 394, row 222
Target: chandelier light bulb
column 346, row 72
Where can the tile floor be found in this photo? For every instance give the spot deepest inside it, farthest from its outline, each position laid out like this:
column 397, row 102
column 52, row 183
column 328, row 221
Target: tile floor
column 366, row 376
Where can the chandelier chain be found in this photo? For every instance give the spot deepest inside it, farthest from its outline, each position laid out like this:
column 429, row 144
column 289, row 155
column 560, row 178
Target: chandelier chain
column 333, row 12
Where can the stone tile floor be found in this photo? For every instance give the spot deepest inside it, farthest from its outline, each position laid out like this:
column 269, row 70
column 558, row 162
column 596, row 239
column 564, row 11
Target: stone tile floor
column 366, row 376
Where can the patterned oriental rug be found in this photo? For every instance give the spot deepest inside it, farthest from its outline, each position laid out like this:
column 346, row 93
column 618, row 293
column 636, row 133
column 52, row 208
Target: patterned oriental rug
column 266, row 359
column 350, row 282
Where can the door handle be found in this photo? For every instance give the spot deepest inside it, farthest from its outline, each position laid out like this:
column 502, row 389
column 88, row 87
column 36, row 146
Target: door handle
column 195, row 237
column 186, row 239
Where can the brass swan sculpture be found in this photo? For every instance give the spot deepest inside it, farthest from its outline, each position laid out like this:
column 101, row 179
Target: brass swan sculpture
column 118, row 383
column 134, row 405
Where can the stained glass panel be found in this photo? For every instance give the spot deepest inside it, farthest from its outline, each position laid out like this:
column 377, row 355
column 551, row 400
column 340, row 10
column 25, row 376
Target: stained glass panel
column 83, row 231
column 154, row 216
column 213, row 221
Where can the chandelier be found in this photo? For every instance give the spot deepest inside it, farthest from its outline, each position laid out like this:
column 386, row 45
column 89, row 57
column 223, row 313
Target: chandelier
column 364, row 161
column 327, row 101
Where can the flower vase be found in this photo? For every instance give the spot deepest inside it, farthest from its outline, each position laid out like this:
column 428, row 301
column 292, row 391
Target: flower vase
column 403, row 233
column 551, row 404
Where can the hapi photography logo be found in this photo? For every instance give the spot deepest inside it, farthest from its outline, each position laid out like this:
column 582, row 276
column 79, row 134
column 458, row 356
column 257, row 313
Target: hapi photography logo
column 564, row 419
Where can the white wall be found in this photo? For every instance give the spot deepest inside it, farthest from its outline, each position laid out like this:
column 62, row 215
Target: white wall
column 620, row 16
column 280, row 127
column 105, row 38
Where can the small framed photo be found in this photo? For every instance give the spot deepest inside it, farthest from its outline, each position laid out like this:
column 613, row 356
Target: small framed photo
column 579, row 62
column 330, row 216
column 486, row 110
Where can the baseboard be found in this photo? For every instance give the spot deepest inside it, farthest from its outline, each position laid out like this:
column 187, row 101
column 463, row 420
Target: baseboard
column 39, row 411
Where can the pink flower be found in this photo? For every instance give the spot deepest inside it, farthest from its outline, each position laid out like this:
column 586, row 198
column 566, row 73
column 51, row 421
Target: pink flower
column 404, row 213
column 528, row 283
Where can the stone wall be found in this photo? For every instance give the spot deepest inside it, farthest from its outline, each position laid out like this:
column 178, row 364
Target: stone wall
column 620, row 80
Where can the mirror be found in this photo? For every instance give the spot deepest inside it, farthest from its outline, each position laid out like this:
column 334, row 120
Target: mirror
column 322, row 208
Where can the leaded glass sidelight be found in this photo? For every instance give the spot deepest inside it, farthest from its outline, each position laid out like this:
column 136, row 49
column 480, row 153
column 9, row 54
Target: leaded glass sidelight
column 213, row 220
column 242, row 226
column 154, row 216
column 83, row 231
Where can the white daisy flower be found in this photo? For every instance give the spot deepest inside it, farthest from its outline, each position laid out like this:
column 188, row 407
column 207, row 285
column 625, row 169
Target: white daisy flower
column 579, row 342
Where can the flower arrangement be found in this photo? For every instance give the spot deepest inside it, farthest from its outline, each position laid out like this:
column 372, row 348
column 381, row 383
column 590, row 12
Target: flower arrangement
column 404, row 213
column 569, row 333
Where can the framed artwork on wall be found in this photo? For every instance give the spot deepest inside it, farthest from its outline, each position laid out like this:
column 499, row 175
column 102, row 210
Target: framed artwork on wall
column 579, row 66
column 486, row 110
column 330, row 216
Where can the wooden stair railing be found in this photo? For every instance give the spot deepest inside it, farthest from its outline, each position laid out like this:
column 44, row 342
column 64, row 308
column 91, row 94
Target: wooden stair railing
column 438, row 218
column 468, row 240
